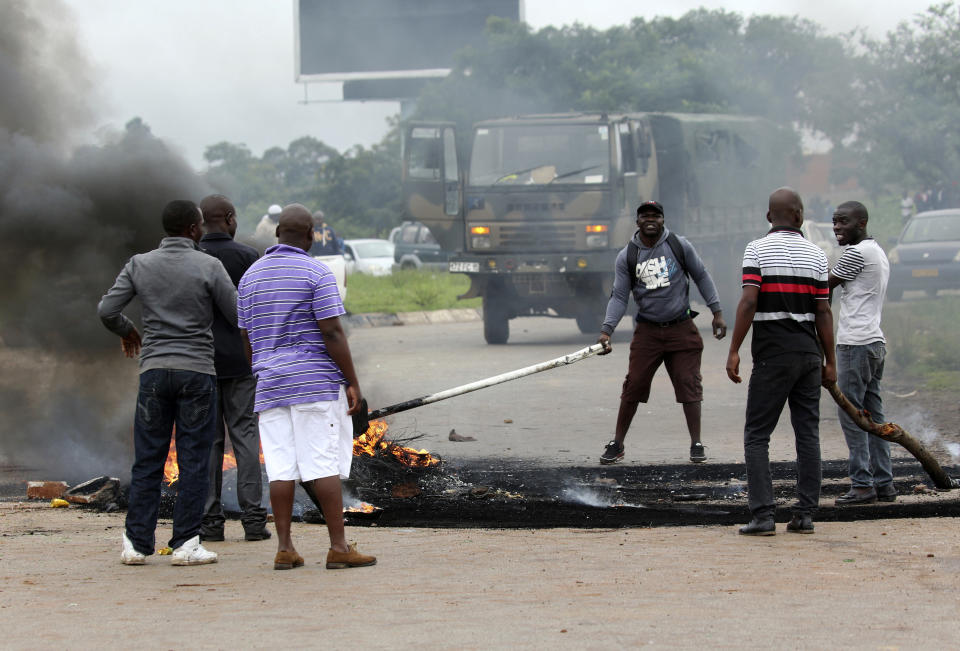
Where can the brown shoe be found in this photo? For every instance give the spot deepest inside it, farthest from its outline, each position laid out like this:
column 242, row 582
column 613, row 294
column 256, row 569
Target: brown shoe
column 287, row 560
column 340, row 560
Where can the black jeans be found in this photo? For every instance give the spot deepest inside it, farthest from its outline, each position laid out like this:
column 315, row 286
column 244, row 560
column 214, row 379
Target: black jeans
column 169, row 397
column 774, row 382
column 236, row 417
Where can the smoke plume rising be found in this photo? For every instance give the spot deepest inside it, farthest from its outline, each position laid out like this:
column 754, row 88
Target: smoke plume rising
column 69, row 220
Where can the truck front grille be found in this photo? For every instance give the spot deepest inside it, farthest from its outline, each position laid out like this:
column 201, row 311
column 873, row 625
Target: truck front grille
column 538, row 236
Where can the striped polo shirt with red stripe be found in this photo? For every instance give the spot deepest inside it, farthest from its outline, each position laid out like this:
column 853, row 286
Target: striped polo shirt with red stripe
column 791, row 274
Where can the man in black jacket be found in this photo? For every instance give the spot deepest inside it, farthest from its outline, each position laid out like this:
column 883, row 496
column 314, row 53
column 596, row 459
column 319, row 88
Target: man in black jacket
column 236, row 386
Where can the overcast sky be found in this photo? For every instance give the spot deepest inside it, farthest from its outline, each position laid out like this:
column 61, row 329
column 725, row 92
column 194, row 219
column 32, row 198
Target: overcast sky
column 203, row 71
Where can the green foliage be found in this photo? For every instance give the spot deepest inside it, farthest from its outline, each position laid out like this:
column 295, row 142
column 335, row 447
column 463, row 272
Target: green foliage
column 909, row 105
column 781, row 68
column 407, row 291
column 922, row 340
column 359, row 191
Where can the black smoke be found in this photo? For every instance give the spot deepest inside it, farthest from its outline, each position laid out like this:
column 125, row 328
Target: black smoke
column 70, row 217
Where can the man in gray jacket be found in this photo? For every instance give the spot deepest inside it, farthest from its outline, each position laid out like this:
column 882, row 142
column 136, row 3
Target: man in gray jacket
column 179, row 287
column 655, row 266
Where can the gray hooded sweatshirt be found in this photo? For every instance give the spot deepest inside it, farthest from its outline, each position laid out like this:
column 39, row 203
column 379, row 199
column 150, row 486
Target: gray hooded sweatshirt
column 661, row 288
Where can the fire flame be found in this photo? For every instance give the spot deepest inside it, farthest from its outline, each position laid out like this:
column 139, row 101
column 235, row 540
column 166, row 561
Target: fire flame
column 372, row 443
column 363, row 507
column 171, row 471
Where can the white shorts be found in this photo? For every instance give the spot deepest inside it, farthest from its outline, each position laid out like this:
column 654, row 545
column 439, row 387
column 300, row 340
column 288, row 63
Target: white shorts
column 307, row 441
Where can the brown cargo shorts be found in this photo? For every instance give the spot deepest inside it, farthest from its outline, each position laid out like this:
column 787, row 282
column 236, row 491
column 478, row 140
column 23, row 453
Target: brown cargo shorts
column 679, row 347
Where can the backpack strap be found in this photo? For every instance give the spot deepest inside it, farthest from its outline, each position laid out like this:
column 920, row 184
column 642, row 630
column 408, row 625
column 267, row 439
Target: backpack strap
column 674, row 242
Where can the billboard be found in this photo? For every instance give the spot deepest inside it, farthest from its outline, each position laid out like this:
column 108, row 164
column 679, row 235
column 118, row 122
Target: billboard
column 340, row 40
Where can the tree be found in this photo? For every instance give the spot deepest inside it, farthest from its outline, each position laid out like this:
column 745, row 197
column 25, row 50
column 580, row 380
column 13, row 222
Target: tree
column 908, row 104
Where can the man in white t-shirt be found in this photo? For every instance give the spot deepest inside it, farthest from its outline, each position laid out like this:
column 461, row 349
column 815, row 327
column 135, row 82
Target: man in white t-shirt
column 862, row 273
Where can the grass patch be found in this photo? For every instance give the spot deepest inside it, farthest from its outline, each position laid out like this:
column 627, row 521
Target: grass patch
column 923, row 341
column 407, row 291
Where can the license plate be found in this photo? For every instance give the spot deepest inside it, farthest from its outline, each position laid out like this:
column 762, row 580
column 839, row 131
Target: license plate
column 926, row 273
column 465, row 267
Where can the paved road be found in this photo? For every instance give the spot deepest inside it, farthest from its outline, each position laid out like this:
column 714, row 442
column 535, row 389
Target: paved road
column 561, row 416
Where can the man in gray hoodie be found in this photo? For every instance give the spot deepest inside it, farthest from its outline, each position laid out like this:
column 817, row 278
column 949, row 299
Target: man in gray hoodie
column 179, row 288
column 655, row 266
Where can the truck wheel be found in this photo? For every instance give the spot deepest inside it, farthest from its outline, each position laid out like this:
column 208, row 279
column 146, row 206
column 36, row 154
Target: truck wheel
column 589, row 322
column 496, row 324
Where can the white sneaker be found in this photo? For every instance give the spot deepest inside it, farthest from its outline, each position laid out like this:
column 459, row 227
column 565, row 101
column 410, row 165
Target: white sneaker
column 129, row 555
column 192, row 553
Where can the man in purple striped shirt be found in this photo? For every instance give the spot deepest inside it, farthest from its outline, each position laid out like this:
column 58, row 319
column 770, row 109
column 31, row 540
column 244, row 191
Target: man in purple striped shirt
column 288, row 311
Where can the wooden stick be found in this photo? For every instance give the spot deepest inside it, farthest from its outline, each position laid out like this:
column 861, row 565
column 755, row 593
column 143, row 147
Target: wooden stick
column 895, row 434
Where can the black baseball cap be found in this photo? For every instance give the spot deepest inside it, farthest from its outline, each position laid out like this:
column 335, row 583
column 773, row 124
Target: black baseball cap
column 650, row 205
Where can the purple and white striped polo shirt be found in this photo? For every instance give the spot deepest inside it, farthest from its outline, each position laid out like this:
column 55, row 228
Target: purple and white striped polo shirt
column 280, row 299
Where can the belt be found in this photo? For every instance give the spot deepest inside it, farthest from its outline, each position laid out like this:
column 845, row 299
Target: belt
column 689, row 314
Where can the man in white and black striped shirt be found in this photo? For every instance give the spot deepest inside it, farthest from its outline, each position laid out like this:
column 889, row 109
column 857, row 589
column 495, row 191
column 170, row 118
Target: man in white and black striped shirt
column 786, row 299
column 862, row 273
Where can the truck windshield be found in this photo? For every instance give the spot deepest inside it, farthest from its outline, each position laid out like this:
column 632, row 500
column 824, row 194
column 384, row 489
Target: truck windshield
column 540, row 154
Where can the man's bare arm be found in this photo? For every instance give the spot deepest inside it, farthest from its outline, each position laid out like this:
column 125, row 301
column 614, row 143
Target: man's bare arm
column 339, row 350
column 746, row 309
column 823, row 321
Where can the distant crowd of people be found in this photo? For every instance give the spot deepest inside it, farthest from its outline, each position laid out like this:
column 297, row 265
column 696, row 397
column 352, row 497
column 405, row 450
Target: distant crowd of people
column 936, row 198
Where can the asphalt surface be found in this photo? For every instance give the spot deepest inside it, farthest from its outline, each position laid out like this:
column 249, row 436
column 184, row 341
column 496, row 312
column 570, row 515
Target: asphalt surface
column 562, row 416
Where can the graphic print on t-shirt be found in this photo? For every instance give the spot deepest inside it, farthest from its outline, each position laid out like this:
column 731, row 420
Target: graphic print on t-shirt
column 655, row 272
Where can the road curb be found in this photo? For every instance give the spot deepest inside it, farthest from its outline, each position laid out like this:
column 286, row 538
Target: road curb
column 380, row 319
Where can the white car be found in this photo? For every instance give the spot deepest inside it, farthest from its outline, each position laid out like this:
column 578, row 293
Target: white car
column 370, row 256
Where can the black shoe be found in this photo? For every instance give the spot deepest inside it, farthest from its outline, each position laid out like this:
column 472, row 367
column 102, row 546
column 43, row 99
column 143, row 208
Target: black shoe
column 800, row 524
column 887, row 493
column 697, row 454
column 759, row 528
column 858, row 495
column 211, row 536
column 612, row 454
column 252, row 536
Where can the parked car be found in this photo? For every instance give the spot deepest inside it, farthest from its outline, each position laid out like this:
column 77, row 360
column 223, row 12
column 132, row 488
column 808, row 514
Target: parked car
column 415, row 247
column 369, row 256
column 927, row 254
column 821, row 234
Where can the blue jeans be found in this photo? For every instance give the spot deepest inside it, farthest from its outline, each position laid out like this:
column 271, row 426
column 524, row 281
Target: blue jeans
column 169, row 397
column 859, row 371
column 793, row 378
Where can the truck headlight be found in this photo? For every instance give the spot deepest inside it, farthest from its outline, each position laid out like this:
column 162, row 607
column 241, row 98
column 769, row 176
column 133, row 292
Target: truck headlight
column 894, row 256
column 597, row 236
column 480, row 237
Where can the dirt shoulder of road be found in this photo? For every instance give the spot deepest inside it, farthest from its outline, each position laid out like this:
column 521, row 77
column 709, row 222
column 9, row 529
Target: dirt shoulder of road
column 882, row 583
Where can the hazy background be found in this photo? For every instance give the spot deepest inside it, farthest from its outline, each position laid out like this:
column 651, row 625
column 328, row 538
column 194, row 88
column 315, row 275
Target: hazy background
column 223, row 70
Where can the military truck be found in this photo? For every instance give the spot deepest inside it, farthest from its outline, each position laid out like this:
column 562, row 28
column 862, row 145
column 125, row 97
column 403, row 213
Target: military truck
column 538, row 215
